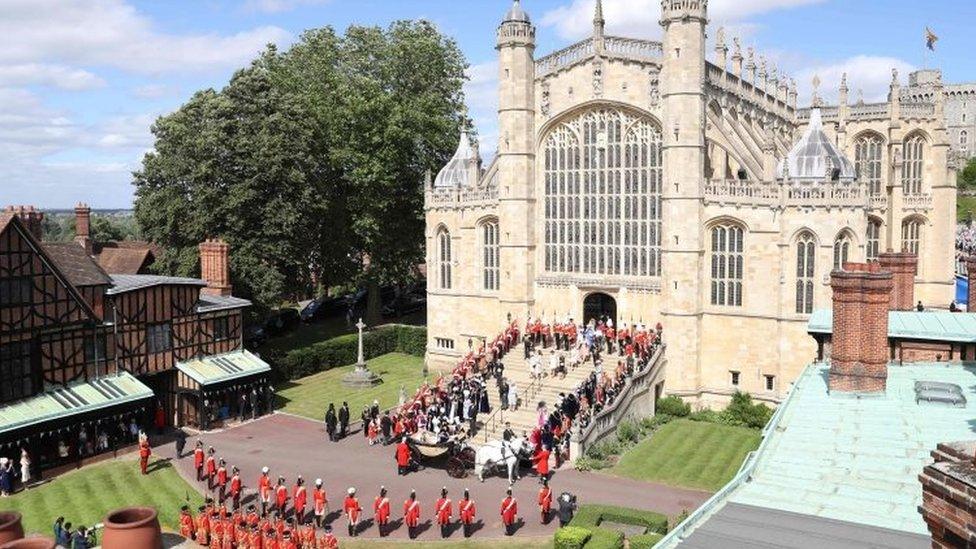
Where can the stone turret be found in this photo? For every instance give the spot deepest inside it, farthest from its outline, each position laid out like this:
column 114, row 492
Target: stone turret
column 859, row 353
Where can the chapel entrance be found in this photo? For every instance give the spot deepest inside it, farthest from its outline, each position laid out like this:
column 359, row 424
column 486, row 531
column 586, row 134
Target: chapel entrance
column 599, row 306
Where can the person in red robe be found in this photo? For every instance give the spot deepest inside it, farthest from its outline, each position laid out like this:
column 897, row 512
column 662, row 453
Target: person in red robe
column 281, row 497
column 186, row 522
column 144, row 452
column 203, row 527
column 287, row 541
column 442, row 512
column 198, row 458
column 254, row 537
column 381, row 511
column 328, row 540
column 352, row 509
column 545, row 501
column 235, row 489
column 411, row 513
column 466, row 510
column 403, row 457
column 299, row 497
column 320, row 503
column 541, row 459
column 509, row 512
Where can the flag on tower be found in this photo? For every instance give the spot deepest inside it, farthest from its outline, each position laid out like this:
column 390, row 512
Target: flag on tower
column 930, row 39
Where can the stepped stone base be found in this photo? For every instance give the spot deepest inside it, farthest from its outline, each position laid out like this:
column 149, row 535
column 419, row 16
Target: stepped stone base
column 361, row 377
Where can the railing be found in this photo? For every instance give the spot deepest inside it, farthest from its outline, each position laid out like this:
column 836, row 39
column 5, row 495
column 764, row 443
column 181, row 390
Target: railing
column 607, row 420
column 461, row 196
column 741, row 191
column 918, row 110
column 614, row 46
column 920, row 201
column 633, row 48
column 870, row 110
column 564, row 57
column 497, row 417
column 836, row 194
column 682, row 530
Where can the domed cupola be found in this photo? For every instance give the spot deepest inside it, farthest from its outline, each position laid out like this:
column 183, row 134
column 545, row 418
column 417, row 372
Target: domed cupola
column 815, row 158
column 463, row 169
column 516, row 14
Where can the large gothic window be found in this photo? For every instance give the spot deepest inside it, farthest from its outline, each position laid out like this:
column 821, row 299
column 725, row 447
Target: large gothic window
column 867, row 162
column 873, row 239
column 842, row 251
column 489, row 255
column 911, row 235
column 444, row 259
column 914, row 165
column 603, row 195
column 806, row 254
column 726, row 258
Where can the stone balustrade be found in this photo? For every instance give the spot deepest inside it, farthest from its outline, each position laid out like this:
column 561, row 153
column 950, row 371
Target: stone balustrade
column 461, row 196
column 920, row 201
column 756, row 193
column 918, row 110
column 632, row 48
column 878, row 202
column 614, row 47
column 869, row 111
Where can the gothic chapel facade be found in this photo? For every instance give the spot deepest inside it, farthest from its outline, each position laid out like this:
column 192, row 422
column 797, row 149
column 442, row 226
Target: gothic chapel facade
column 655, row 182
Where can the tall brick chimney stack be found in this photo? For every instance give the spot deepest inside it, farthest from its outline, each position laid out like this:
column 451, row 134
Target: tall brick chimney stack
column 903, row 267
column 971, row 279
column 83, row 227
column 215, row 266
column 31, row 217
column 859, row 348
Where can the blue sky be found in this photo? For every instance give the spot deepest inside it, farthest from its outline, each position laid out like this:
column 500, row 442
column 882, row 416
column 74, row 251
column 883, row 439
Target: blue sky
column 82, row 80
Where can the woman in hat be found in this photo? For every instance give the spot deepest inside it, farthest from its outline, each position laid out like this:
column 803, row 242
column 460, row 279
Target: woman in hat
column 6, row 477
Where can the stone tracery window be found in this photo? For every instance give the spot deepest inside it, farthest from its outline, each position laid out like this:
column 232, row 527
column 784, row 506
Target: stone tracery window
column 727, row 264
column 867, row 162
column 873, row 239
column 914, row 165
column 806, row 259
column 603, row 195
column 842, row 251
column 489, row 255
column 444, row 259
column 911, row 235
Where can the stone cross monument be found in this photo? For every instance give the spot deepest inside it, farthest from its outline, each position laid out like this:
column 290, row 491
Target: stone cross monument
column 361, row 376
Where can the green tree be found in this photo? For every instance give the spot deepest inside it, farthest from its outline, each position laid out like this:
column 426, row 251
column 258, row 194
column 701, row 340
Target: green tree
column 966, row 179
column 104, row 229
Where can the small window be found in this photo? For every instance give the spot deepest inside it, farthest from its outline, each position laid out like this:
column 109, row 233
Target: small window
column 770, row 383
column 221, row 328
column 735, row 378
column 16, row 291
column 159, row 338
column 15, row 371
column 444, row 343
column 95, row 349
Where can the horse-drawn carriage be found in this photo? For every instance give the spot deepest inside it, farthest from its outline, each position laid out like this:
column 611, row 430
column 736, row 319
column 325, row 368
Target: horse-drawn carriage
column 458, row 456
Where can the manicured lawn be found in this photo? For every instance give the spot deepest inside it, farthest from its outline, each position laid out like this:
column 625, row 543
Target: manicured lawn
column 310, row 396
column 516, row 543
column 85, row 496
column 965, row 205
column 690, row 454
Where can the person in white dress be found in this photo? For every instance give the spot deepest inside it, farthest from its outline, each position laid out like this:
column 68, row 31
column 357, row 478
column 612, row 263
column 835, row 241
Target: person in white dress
column 25, row 463
column 513, row 402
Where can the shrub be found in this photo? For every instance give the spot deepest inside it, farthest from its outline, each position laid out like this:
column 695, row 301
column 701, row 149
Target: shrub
column 649, row 424
column 586, row 463
column 411, row 340
column 645, row 541
column 743, row 412
column 590, row 516
column 602, row 538
column 571, row 537
column 709, row 416
column 673, row 406
column 627, row 432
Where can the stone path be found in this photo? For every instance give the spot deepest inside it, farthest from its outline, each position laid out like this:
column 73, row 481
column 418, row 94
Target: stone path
column 289, row 445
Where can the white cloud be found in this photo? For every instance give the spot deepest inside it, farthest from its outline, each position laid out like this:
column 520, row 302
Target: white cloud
column 58, row 76
column 114, row 34
column 481, row 96
column 278, row 6
column 153, row 91
column 865, row 73
column 640, row 18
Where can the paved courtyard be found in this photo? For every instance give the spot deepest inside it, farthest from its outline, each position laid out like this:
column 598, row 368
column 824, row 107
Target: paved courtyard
column 291, row 445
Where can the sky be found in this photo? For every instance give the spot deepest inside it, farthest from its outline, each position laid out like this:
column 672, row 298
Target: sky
column 81, row 81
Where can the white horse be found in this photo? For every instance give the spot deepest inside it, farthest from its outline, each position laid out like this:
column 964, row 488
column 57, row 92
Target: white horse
column 500, row 453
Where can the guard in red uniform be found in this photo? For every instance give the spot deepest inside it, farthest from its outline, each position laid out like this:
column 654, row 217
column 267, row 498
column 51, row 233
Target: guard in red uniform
column 254, row 537
column 541, row 459
column 466, row 510
column 381, row 511
column 352, row 509
column 186, row 522
column 211, row 466
column 328, row 540
column 299, row 496
column 442, row 510
column 198, row 457
column 281, row 497
column 221, row 481
column 319, row 503
column 264, row 490
column 144, row 452
column 509, row 512
column 545, row 501
column 235, row 489
column 286, row 541
column 411, row 513
column 403, row 457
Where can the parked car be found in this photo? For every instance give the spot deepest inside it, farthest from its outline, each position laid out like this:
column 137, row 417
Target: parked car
column 323, row 307
column 282, row 321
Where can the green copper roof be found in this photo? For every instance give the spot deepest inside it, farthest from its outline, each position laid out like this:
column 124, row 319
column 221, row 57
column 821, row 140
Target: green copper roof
column 931, row 325
column 858, row 459
column 219, row 368
column 73, row 399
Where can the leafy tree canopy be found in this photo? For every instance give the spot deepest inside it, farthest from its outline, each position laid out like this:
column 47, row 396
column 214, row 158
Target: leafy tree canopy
column 966, row 179
column 309, row 162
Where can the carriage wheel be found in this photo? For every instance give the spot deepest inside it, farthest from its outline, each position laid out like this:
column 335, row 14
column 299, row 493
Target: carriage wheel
column 467, row 455
column 456, row 467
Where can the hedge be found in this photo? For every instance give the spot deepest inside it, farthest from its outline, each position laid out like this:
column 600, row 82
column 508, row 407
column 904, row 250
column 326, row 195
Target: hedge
column 572, row 537
column 343, row 351
column 589, row 517
column 603, row 538
column 645, row 541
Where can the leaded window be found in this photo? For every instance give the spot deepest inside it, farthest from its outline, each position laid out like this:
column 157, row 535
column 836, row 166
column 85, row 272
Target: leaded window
column 602, row 177
column 444, row 259
column 842, row 251
column 911, row 236
column 489, row 256
column 159, row 338
column 867, row 162
column 873, row 239
column 914, row 165
column 726, row 260
column 806, row 260
column 15, row 371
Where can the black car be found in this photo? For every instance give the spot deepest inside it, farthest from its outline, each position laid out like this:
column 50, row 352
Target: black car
column 323, row 307
column 282, row 321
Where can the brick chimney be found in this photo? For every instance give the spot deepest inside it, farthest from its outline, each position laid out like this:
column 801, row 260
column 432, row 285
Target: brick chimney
column 903, row 267
column 971, row 279
column 948, row 508
column 83, row 227
column 31, row 217
column 215, row 267
column 859, row 345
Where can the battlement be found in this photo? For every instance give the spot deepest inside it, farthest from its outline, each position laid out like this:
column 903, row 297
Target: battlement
column 516, row 32
column 680, row 9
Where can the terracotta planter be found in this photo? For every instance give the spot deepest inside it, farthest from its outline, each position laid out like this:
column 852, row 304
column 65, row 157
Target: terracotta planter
column 10, row 527
column 33, row 542
column 132, row 528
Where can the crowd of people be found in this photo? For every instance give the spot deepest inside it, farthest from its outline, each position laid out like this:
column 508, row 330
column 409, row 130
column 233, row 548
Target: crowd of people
column 966, row 238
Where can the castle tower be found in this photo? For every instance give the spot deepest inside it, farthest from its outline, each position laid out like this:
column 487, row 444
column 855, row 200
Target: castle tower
column 684, row 168
column 516, row 159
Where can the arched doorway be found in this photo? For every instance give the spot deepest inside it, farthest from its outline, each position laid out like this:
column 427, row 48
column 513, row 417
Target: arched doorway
column 599, row 306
